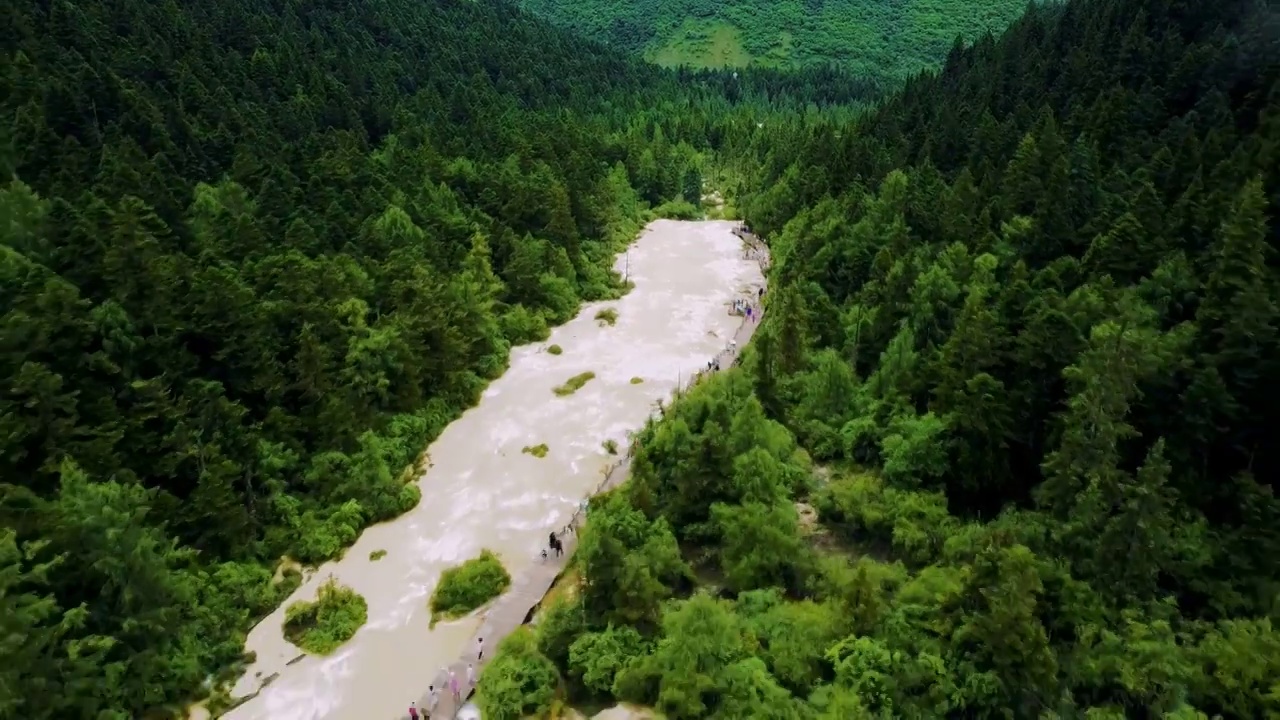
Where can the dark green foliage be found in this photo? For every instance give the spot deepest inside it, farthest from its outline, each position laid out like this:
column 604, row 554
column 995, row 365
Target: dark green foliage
column 468, row 586
column 254, row 257
column 1026, row 312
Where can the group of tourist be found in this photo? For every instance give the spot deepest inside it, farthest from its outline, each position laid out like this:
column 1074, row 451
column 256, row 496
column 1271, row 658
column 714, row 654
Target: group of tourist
column 455, row 689
column 752, row 313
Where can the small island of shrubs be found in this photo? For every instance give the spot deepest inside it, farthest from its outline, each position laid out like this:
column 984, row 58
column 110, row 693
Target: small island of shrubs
column 572, row 385
column 607, row 316
column 538, row 451
column 320, row 627
column 555, row 349
column 468, row 586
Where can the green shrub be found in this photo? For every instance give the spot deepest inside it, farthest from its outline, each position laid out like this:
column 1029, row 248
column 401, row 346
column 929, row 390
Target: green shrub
column 611, row 446
column 468, row 586
column 637, row 380
column 678, row 210
column 538, row 451
column 555, row 350
column 573, row 384
column 607, row 316
column 322, row 626
column 519, row 682
column 521, row 325
column 377, row 555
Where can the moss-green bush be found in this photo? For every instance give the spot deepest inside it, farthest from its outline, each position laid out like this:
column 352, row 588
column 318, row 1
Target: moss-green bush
column 538, row 451
column 678, row 210
column 573, row 384
column 611, row 446
column 322, row 626
column 555, row 349
column 637, row 380
column 607, row 316
column 377, row 555
column 468, row 586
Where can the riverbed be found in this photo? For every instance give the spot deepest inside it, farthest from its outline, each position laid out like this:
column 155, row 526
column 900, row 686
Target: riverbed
column 481, row 491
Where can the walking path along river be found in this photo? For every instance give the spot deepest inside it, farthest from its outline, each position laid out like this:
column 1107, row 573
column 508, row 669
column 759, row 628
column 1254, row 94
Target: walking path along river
column 517, row 605
column 480, row 490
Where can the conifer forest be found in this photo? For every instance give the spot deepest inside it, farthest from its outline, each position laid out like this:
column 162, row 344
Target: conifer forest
column 1006, row 444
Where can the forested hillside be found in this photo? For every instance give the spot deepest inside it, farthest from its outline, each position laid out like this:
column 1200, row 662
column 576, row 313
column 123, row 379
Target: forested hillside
column 253, row 257
column 878, row 39
column 1019, row 368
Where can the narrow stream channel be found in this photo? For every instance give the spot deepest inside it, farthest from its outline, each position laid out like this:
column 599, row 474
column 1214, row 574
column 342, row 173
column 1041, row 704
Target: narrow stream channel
column 481, row 491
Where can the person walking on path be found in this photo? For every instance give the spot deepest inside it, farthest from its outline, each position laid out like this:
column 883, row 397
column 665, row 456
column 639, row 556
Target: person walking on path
column 453, row 686
column 471, row 677
column 480, row 650
column 413, row 712
column 433, row 700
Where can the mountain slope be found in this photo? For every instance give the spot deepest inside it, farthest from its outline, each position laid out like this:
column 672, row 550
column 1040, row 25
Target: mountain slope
column 1026, row 315
column 254, row 257
column 873, row 38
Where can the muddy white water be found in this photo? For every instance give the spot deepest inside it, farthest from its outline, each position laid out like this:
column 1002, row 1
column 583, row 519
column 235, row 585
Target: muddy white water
column 480, row 491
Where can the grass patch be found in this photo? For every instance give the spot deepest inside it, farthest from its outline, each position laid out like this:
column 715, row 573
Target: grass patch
column 611, row 446
column 555, row 349
column 702, row 44
column 468, row 586
column 538, row 451
column 637, row 380
column 607, row 316
column 377, row 555
column 573, row 384
column 322, row 626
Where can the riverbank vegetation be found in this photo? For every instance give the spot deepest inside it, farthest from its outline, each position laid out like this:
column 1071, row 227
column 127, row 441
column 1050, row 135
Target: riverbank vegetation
column 468, row 586
column 573, row 384
column 1026, row 318
column 323, row 625
column 539, row 451
column 523, row 681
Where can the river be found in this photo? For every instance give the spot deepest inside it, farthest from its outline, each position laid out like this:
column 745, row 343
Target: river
column 480, row 490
